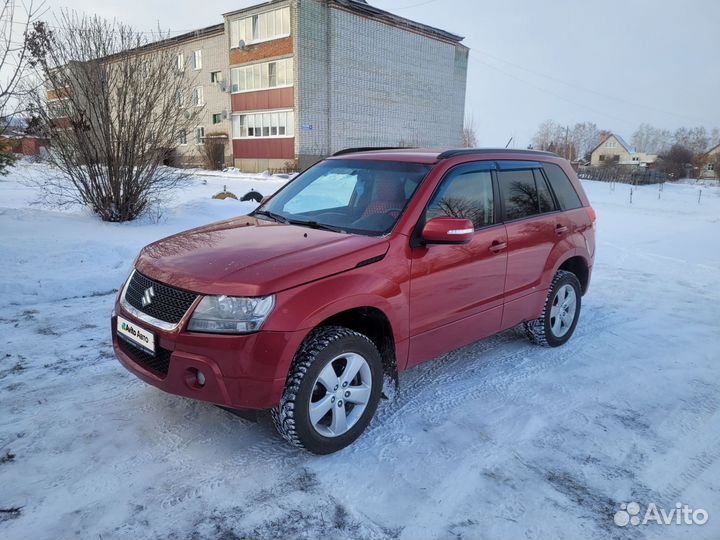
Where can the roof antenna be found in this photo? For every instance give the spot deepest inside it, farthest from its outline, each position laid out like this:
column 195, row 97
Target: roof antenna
column 509, row 141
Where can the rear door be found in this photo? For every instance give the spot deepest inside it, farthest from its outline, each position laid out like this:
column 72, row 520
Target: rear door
column 456, row 290
column 534, row 226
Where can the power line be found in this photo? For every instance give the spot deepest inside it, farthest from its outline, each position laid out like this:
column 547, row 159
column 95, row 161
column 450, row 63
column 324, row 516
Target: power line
column 550, row 92
column 414, row 5
column 584, row 89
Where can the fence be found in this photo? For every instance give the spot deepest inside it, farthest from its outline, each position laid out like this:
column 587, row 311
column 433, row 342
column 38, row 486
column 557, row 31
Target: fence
column 625, row 174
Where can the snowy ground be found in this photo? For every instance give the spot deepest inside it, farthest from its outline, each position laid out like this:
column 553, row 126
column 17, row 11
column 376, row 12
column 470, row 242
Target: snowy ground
column 499, row 439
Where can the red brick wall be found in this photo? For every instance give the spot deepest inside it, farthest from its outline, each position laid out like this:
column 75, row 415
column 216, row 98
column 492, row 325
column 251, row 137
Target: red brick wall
column 268, row 49
column 275, row 98
column 261, row 148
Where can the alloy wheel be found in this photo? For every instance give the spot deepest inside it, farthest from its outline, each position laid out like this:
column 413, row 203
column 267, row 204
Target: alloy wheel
column 563, row 310
column 341, row 393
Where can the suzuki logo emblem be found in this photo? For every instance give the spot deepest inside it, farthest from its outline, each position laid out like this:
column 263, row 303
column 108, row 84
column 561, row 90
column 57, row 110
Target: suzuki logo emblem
column 148, row 296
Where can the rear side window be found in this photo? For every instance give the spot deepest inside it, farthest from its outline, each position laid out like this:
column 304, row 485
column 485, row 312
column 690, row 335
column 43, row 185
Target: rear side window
column 562, row 186
column 524, row 193
column 467, row 195
column 545, row 199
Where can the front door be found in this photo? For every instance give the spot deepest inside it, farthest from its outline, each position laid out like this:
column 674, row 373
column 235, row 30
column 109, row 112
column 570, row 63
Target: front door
column 456, row 291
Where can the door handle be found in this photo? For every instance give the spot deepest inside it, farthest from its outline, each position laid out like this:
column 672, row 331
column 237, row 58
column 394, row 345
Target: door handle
column 560, row 229
column 498, row 246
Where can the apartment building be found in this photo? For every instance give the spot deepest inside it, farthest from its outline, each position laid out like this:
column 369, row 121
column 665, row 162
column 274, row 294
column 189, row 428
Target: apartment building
column 202, row 56
column 310, row 77
column 287, row 82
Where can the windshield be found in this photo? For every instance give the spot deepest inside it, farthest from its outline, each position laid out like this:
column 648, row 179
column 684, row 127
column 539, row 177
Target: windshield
column 355, row 196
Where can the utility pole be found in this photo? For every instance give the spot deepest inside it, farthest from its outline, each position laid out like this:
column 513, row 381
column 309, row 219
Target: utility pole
column 567, row 149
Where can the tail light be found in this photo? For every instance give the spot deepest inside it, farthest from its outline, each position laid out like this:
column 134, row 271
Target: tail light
column 591, row 215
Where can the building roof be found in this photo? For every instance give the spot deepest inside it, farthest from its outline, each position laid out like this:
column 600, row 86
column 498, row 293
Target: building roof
column 187, row 36
column 716, row 147
column 619, row 139
column 363, row 8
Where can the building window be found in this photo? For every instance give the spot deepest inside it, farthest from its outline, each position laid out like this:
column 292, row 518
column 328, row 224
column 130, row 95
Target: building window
column 197, row 60
column 602, row 157
column 198, row 99
column 181, row 62
column 182, row 137
column 200, row 135
column 180, row 98
column 216, row 118
column 710, row 166
column 267, row 124
column 216, row 76
column 261, row 27
column 275, row 74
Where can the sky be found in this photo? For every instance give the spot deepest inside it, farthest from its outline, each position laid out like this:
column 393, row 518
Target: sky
column 618, row 63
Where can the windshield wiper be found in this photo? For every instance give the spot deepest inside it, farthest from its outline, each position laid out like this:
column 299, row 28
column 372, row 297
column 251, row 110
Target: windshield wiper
column 316, row 225
column 272, row 215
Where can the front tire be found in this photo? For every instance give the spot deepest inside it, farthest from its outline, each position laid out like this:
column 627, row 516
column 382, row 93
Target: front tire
column 332, row 390
column 561, row 312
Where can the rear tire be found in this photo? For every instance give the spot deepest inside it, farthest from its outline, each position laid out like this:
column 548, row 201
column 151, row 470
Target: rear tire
column 561, row 312
column 332, row 390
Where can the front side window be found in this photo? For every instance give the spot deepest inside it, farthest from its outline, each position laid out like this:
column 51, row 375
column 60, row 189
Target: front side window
column 354, row 196
column 465, row 195
column 522, row 196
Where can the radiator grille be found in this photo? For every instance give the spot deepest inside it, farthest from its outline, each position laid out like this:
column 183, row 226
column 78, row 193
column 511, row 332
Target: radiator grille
column 167, row 303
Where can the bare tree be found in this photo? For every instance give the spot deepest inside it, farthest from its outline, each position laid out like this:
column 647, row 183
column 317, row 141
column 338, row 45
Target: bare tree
column 114, row 103
column 213, row 150
column 651, row 140
column 695, row 139
column 547, row 135
column 15, row 20
column 677, row 161
column 714, row 137
column 469, row 134
column 585, row 137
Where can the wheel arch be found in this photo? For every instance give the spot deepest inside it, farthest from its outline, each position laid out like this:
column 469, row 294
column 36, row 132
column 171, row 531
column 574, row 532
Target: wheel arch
column 375, row 324
column 578, row 265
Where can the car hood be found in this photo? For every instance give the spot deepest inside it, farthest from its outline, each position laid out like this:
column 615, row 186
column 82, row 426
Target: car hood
column 251, row 257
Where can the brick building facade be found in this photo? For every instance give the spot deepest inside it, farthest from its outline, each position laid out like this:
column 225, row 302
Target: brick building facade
column 287, row 82
column 361, row 77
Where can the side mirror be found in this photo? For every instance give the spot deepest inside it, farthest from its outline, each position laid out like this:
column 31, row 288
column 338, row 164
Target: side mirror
column 446, row 230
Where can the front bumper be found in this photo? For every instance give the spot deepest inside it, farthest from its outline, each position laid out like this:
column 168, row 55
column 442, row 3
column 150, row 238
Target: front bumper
column 241, row 371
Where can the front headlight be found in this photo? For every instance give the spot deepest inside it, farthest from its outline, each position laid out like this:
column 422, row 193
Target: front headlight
column 231, row 314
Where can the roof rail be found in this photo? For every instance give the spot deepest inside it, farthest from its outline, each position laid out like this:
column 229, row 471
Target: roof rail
column 464, row 151
column 365, row 149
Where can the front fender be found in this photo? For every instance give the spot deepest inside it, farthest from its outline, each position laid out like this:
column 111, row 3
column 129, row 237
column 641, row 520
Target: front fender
column 307, row 306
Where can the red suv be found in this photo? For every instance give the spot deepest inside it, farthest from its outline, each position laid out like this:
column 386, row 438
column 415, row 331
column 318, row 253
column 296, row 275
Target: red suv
column 367, row 264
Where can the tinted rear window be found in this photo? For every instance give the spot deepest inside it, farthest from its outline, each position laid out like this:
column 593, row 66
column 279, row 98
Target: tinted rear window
column 519, row 194
column 562, row 186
